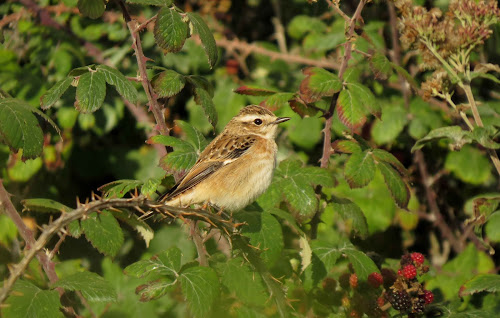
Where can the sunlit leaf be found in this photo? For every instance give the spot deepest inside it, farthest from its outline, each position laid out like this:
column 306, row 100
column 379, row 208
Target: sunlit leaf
column 359, row 169
column 200, row 286
column 170, row 30
column 168, row 83
column 53, row 94
column 27, row 300
column 123, row 86
column 318, row 83
column 103, row 232
column 90, row 92
column 206, row 37
column 92, row 286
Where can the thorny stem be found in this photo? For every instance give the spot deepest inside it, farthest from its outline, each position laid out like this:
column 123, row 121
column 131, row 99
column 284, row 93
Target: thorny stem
column 154, row 106
column 327, row 131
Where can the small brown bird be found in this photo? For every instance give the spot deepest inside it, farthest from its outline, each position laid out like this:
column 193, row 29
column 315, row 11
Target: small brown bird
column 236, row 167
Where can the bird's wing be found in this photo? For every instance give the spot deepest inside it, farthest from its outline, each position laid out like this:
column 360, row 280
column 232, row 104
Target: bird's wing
column 221, row 152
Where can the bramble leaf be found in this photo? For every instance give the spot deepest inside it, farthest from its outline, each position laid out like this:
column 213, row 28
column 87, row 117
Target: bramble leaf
column 53, row 94
column 194, row 137
column 103, row 232
column 350, row 212
column 254, row 91
column 398, row 188
column 318, row 83
column 139, row 225
column 458, row 136
column 206, row 37
column 183, row 157
column 44, row 205
column 27, row 300
column 482, row 282
column 381, row 66
column 277, row 101
column 92, row 286
column 91, row 8
column 118, row 188
column 200, row 286
column 359, row 169
column 168, row 83
column 384, row 156
column 350, row 109
column 170, row 30
column 346, row 146
column 365, row 95
column 90, row 92
column 123, row 86
column 167, row 263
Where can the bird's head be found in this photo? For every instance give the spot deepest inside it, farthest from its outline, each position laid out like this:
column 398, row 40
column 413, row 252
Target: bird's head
column 256, row 120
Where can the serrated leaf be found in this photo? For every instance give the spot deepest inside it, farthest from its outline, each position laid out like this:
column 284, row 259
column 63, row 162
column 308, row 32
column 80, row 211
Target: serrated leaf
column 346, row 146
column 53, row 94
column 183, row 157
column 392, row 123
column 295, row 183
column 381, row 66
column 456, row 134
column 155, row 289
column 314, row 273
column 203, row 98
column 368, row 100
column 81, row 70
column 92, row 286
column 27, row 300
column 469, row 165
column 401, row 71
column 359, row 169
column 194, row 136
column 362, row 264
column 200, row 286
column 167, row 263
column 103, row 232
column 206, row 37
column 119, row 188
column 254, row 91
column 166, row 3
column 482, row 282
column 287, row 217
column 482, row 136
column 350, row 109
column 90, row 92
column 170, row 30
column 318, row 83
column 123, row 86
column 241, row 280
column 350, row 212
column 264, row 232
column 139, row 225
column 168, row 83
column 398, row 188
column 44, row 205
column 150, row 186
column 75, row 229
column 327, row 253
column 277, row 101
column 91, row 8
column 384, row 156
column 300, row 108
column 19, row 127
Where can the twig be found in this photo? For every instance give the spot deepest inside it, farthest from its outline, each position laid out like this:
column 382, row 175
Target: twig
column 84, row 209
column 198, row 242
column 154, row 106
column 247, row 48
column 279, row 30
column 337, row 9
column 327, row 134
column 439, row 221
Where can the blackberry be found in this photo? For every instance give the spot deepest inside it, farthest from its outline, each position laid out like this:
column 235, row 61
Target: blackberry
column 400, row 300
column 419, row 304
column 406, row 260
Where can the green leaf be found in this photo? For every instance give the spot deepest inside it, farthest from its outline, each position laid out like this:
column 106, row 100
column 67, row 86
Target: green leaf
column 254, row 91
column 150, row 186
column 403, row 72
column 264, row 232
column 362, row 264
column 139, row 225
column 168, row 83
column 350, row 212
column 381, row 66
column 19, row 128
column 483, row 282
column 365, row 95
column 384, row 156
column 53, row 94
column 206, row 37
column 202, row 97
column 75, row 229
column 200, row 286
column 183, row 157
column 287, row 217
column 393, row 121
column 91, row 8
column 166, row 3
column 27, row 300
column 119, row 188
column 346, row 146
column 300, row 108
column 359, row 169
column 170, row 30
column 469, row 165
column 167, row 263
column 123, row 86
column 490, row 77
column 92, row 286
column 326, row 253
column 194, row 136
column 350, row 110
column 492, row 227
column 318, row 83
column 103, row 232
column 456, row 134
column 300, row 25
column 90, row 92
column 44, row 205
column 241, row 280
column 277, row 101
column 482, row 136
column 81, row 70
column 156, row 289
column 398, row 188
column 314, row 273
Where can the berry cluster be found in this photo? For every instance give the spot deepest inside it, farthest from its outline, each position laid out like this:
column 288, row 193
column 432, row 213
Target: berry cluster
column 406, row 294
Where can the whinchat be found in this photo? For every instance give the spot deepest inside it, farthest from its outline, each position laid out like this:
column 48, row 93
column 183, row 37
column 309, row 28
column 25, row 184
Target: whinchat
column 236, row 167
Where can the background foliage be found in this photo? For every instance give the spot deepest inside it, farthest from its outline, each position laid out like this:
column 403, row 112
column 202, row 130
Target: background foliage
column 391, row 150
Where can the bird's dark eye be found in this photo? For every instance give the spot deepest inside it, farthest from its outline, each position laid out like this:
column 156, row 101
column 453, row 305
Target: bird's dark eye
column 258, row 121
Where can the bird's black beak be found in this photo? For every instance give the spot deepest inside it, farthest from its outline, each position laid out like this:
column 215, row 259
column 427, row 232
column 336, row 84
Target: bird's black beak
column 280, row 120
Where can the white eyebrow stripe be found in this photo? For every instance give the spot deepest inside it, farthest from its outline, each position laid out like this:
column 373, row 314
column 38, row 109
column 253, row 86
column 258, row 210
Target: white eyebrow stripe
column 252, row 117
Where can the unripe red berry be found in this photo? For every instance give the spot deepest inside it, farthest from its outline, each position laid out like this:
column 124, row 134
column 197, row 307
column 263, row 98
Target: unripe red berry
column 353, row 280
column 428, row 296
column 418, row 258
column 409, row 272
column 380, row 301
column 329, row 284
column 375, row 280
